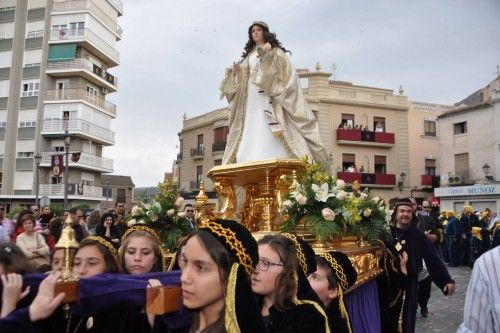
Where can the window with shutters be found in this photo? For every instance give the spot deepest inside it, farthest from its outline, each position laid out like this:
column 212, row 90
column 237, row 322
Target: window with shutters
column 460, row 128
column 429, row 128
column 348, row 160
column 380, row 164
column 430, row 167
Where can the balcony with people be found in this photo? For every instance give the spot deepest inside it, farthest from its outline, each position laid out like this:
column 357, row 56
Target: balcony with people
column 349, row 133
column 377, row 178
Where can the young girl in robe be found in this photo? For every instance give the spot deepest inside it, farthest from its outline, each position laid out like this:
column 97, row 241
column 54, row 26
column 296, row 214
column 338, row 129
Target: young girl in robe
column 275, row 281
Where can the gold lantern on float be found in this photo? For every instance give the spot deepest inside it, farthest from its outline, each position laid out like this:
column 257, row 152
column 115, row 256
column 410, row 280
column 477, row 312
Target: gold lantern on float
column 68, row 282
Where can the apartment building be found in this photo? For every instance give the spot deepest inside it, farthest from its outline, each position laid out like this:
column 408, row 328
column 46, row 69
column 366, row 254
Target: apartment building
column 470, row 151
column 365, row 130
column 56, row 69
column 202, row 141
column 425, row 150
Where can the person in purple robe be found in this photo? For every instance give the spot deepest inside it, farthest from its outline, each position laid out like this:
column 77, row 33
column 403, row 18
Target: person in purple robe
column 407, row 238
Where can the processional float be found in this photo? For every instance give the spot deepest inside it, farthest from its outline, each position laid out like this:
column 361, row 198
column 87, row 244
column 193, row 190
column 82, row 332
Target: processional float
column 254, row 193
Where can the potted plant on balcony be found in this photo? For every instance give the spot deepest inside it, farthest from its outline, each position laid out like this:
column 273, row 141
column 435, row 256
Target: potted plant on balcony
column 325, row 207
column 163, row 214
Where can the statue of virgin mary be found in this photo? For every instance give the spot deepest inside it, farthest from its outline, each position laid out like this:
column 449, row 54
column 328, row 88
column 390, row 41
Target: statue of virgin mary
column 269, row 117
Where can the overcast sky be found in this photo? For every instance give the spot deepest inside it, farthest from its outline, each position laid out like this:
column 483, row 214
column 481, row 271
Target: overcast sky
column 173, row 54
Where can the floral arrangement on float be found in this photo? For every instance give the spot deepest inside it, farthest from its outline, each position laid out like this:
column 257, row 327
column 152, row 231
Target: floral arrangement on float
column 164, row 214
column 327, row 208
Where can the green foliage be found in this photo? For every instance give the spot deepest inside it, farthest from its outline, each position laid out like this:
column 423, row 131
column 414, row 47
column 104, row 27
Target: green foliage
column 57, row 209
column 163, row 215
column 13, row 213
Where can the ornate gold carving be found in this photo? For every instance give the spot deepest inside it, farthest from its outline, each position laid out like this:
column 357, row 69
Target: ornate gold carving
column 365, row 260
column 266, row 184
column 227, row 198
column 249, row 214
column 202, row 197
column 204, row 208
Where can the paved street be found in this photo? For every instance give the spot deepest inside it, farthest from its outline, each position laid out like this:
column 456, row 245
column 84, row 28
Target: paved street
column 446, row 313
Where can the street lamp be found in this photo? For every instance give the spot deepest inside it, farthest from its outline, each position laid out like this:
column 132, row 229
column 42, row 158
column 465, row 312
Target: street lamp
column 486, row 170
column 66, row 157
column 38, row 160
column 107, row 192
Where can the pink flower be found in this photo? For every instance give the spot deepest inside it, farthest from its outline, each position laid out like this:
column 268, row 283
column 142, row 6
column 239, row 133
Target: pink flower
column 328, row 214
column 301, row 199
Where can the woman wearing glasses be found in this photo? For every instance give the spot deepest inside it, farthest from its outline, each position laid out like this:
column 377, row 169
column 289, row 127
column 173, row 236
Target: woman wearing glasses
column 275, row 281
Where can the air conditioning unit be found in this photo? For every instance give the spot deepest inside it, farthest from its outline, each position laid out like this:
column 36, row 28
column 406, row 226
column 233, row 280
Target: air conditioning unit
column 455, row 180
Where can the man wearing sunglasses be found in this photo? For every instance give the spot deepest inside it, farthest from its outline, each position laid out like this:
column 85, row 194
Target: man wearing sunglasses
column 189, row 213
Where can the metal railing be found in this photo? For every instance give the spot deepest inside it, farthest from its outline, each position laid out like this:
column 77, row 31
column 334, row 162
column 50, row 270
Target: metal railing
column 84, row 33
column 71, row 5
column 198, row 151
column 58, row 190
column 78, row 126
column 83, row 64
column 35, row 34
column 86, row 159
column 218, row 146
column 80, row 94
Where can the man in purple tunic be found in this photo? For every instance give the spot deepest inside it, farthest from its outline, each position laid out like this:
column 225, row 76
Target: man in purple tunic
column 406, row 237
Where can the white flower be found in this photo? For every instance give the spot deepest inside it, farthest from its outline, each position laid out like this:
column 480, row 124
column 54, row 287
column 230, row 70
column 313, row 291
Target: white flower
column 137, row 211
column 340, row 183
column 328, row 214
column 367, row 212
column 287, row 203
column 179, row 201
column 301, row 199
column 363, row 195
column 321, row 193
column 376, row 199
column 154, row 217
column 341, row 195
column 131, row 223
column 170, row 212
column 141, row 222
column 181, row 214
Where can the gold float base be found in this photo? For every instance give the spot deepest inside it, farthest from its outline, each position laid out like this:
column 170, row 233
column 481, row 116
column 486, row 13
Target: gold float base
column 266, row 184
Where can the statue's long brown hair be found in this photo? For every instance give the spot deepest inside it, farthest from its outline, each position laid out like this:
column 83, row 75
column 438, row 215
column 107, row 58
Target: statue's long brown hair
column 269, row 37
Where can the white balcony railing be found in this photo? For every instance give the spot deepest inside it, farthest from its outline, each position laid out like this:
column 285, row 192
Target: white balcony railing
column 89, row 5
column 80, row 94
column 84, row 33
column 57, row 190
column 78, row 126
column 83, row 64
column 118, row 4
column 86, row 160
